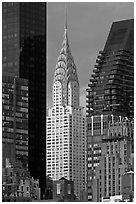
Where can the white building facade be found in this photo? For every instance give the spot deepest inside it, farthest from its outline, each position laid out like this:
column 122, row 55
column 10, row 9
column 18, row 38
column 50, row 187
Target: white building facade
column 66, row 125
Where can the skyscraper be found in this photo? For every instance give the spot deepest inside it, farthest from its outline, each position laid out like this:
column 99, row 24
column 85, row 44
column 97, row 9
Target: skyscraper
column 111, row 87
column 110, row 93
column 23, row 55
column 66, row 129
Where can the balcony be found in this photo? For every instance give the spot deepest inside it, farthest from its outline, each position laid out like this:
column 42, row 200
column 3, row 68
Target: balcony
column 96, row 70
column 91, row 85
column 89, row 96
column 93, row 80
column 88, row 105
column 97, row 66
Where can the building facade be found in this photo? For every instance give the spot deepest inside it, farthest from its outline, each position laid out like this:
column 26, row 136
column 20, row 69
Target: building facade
column 110, row 94
column 15, row 119
column 66, row 125
column 116, row 151
column 97, row 127
column 23, row 55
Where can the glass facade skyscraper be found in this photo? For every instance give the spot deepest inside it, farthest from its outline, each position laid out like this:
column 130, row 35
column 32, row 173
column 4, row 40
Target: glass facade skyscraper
column 111, row 87
column 23, row 36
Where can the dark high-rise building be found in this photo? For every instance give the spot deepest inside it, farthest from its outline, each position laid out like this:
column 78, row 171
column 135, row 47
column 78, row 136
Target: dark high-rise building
column 111, row 87
column 110, row 94
column 23, row 35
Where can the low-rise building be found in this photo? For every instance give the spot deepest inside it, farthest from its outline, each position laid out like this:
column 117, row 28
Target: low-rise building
column 63, row 190
column 49, row 188
column 128, row 186
column 17, row 184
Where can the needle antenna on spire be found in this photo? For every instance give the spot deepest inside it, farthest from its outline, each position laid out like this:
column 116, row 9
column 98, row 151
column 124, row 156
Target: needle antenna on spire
column 65, row 15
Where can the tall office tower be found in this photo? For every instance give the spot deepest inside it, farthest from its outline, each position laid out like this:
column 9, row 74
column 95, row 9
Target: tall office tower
column 111, row 89
column 24, row 56
column 66, row 126
column 116, row 151
column 15, row 119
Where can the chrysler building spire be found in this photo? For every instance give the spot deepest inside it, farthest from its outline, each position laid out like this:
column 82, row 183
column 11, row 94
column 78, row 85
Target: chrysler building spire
column 65, row 77
column 65, row 28
column 65, row 16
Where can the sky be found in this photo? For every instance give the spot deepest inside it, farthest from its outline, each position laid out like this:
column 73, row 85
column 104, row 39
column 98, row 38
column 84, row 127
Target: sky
column 89, row 24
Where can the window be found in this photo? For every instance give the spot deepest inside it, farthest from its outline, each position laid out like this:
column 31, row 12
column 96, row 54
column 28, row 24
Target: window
column 69, row 188
column 58, row 188
column 110, row 81
column 107, row 91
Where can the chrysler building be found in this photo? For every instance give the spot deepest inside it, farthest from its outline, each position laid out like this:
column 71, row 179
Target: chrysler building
column 66, row 126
